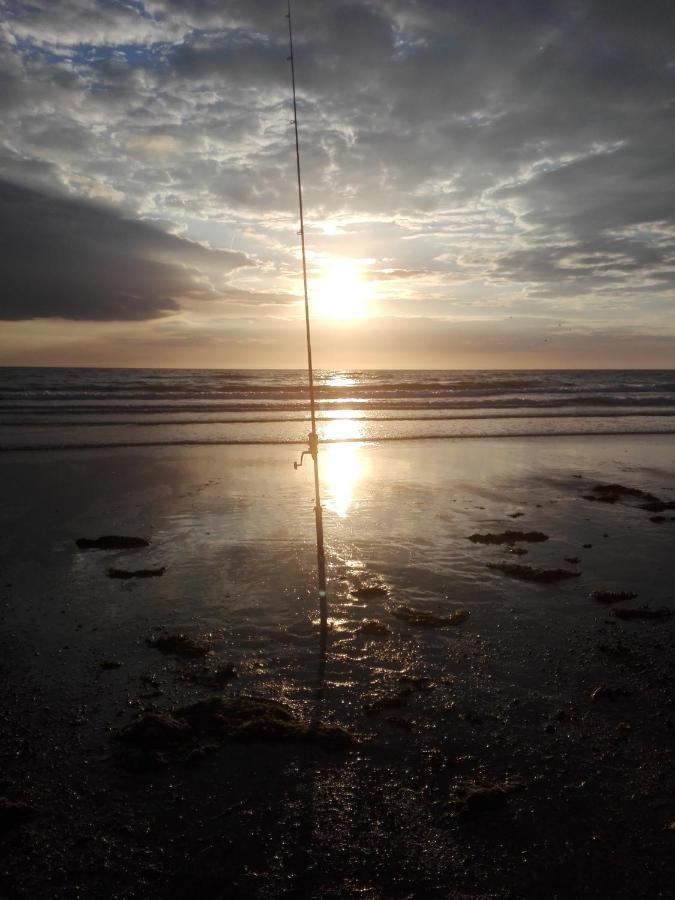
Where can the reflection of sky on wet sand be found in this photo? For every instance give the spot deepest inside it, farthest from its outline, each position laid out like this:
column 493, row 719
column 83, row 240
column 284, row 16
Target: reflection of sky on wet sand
column 341, row 464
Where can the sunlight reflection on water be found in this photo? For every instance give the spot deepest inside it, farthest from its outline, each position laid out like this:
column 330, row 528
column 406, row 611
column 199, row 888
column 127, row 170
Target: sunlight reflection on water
column 342, row 464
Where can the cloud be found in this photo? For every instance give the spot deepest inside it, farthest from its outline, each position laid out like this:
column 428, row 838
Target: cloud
column 70, row 259
column 509, row 153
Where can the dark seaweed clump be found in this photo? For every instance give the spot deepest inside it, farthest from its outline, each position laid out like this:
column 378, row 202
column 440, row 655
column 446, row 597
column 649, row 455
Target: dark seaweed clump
column 477, row 796
column 414, row 616
column 112, row 542
column 529, row 573
column 136, row 573
column 658, row 506
column 109, row 664
column 178, row 644
column 190, row 731
column 508, row 537
column 373, row 627
column 612, row 493
column 368, row 591
column 612, row 596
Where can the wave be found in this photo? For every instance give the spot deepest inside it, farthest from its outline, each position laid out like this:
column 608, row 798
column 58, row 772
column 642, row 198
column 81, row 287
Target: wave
column 350, row 402
column 113, row 423
column 240, row 406
column 216, row 442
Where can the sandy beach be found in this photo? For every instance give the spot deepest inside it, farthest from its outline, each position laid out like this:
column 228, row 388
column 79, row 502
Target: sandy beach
column 522, row 750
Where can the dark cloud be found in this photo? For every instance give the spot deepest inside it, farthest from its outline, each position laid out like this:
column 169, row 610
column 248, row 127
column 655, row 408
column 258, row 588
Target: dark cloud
column 69, row 259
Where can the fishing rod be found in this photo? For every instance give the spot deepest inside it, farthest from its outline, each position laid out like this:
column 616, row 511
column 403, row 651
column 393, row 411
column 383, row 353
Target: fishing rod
column 313, row 437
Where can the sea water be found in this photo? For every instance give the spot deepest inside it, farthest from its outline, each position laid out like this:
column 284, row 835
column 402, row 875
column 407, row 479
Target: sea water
column 44, row 408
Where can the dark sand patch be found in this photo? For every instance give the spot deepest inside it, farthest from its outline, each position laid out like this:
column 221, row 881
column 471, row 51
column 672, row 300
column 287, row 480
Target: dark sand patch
column 14, row 811
column 400, row 722
column 644, row 612
column 213, row 678
column 572, row 560
column 606, row 692
column 124, row 574
column 616, row 650
column 529, row 573
column 112, row 542
column 508, row 537
column 414, row 616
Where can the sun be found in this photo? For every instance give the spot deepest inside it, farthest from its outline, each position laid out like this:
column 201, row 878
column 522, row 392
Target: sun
column 340, row 290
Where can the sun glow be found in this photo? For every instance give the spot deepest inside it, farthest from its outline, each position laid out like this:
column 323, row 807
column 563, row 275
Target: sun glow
column 340, row 290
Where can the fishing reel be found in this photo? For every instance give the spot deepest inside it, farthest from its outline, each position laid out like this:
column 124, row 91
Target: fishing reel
column 313, row 440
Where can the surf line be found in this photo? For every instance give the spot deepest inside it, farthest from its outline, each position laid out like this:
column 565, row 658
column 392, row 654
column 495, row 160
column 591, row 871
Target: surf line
column 313, row 437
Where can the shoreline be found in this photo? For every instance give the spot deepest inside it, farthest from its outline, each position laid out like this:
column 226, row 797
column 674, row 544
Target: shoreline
column 365, row 441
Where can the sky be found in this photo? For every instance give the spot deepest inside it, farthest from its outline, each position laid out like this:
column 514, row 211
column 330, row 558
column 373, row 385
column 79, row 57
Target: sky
column 486, row 184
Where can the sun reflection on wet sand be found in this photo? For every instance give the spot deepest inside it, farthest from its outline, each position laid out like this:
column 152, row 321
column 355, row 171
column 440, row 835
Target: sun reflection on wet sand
column 341, row 464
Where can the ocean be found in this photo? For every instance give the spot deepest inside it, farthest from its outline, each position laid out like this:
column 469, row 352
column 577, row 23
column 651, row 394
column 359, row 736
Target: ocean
column 50, row 408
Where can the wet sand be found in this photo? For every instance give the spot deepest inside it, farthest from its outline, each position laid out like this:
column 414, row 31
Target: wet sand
column 524, row 750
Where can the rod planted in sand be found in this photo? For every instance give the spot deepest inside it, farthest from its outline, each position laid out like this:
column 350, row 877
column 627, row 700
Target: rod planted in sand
column 313, row 438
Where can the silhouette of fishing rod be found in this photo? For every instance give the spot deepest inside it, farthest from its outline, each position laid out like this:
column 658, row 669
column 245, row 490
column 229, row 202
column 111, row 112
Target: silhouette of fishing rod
column 313, row 438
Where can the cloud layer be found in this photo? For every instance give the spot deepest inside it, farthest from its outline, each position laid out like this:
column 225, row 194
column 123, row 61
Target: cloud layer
column 483, row 160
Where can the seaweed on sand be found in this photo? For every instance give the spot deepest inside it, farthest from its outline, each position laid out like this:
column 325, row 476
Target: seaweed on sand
column 612, row 596
column 373, row 627
column 112, row 542
column 414, row 616
column 417, row 682
column 658, row 506
column 136, row 573
column 643, row 612
column 178, row 644
column 529, row 573
column 508, row 537
column 612, row 493
column 389, row 701
column 370, row 590
column 187, row 731
column 477, row 796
